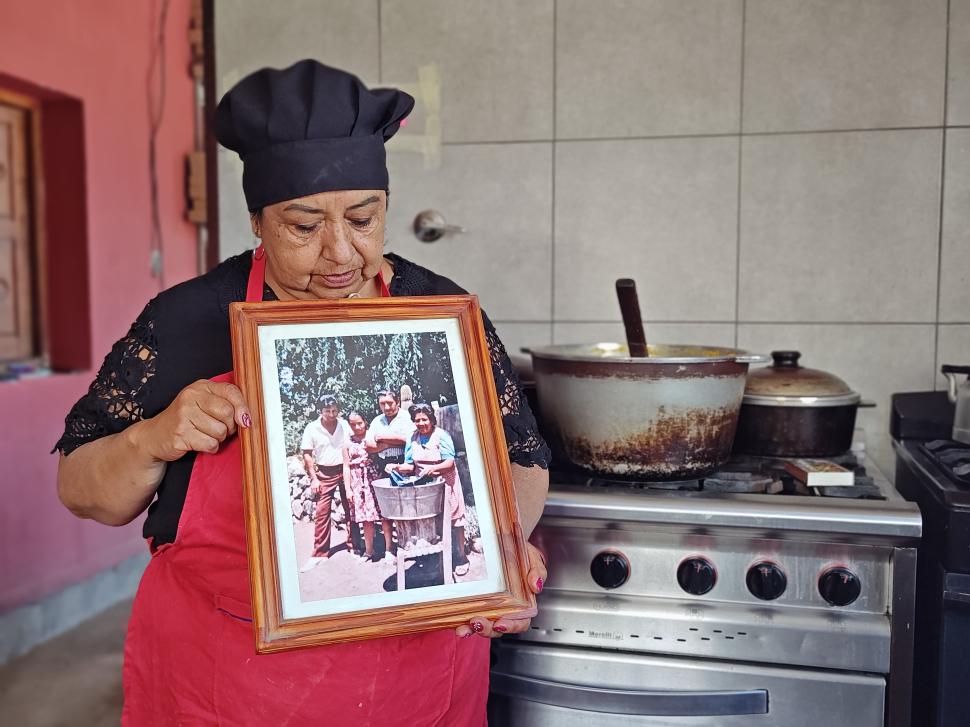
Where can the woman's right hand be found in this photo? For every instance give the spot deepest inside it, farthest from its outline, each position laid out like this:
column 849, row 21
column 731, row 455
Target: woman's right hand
column 200, row 418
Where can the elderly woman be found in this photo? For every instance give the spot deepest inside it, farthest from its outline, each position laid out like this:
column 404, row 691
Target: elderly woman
column 156, row 431
column 431, row 451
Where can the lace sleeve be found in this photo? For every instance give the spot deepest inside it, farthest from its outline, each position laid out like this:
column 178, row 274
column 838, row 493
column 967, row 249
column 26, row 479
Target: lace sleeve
column 116, row 397
column 526, row 446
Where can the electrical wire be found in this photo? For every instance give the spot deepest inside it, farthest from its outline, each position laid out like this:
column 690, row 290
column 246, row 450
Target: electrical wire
column 156, row 111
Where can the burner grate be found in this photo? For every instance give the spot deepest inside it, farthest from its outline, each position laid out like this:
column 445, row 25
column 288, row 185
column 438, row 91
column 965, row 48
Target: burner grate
column 744, row 474
column 953, row 457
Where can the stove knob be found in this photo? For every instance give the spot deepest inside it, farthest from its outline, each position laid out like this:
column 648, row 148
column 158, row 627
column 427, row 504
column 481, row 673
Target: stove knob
column 766, row 581
column 696, row 576
column 839, row 586
column 610, row 569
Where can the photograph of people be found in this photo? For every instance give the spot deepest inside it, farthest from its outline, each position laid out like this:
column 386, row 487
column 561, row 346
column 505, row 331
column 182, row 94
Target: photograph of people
column 430, row 451
column 157, row 428
column 343, row 477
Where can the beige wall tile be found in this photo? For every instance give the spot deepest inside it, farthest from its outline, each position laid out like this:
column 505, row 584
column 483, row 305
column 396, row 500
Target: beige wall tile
column 235, row 232
column 647, row 67
column 712, row 334
column 958, row 83
column 875, row 360
column 953, row 347
column 502, row 195
column 250, row 34
column 830, row 64
column 660, row 211
column 955, row 260
column 840, row 227
column 493, row 59
column 517, row 336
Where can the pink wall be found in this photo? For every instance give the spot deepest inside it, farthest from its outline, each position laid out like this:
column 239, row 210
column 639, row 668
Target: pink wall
column 99, row 53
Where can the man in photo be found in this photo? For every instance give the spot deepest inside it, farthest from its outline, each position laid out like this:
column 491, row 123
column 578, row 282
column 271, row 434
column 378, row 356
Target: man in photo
column 323, row 443
column 390, row 430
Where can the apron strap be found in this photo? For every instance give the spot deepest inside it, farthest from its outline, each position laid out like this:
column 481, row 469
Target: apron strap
column 257, row 274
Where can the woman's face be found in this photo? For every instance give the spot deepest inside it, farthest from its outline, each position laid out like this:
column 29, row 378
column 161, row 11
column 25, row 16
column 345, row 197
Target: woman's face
column 422, row 423
column 326, row 245
column 357, row 425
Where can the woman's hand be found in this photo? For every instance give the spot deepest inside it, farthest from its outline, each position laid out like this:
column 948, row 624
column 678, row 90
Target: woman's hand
column 506, row 625
column 200, row 418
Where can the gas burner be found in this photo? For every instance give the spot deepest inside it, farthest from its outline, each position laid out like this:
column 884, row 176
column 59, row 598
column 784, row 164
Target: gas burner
column 731, row 480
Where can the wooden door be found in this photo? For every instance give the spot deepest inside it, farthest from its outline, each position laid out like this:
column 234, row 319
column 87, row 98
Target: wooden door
column 16, row 284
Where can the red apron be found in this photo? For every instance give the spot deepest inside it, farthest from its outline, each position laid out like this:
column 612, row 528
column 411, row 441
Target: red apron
column 190, row 657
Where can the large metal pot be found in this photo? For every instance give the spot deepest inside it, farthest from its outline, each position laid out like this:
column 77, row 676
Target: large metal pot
column 792, row 411
column 669, row 416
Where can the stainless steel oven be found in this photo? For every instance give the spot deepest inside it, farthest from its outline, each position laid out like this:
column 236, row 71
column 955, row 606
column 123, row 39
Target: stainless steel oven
column 696, row 605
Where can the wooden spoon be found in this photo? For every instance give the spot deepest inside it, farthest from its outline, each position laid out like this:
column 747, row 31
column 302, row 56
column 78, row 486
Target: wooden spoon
column 636, row 339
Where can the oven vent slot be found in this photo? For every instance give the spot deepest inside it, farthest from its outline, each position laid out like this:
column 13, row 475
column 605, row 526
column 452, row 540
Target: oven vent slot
column 694, row 633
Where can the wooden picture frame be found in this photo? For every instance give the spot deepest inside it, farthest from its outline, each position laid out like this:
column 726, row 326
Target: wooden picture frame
column 292, row 340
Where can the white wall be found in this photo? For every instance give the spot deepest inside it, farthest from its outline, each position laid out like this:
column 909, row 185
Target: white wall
column 774, row 173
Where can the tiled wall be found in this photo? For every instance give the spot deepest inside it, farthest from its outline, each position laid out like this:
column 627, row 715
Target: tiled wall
column 774, row 173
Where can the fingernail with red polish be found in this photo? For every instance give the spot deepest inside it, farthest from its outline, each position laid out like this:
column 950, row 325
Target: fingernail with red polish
column 465, row 636
column 247, row 420
column 501, row 629
column 477, row 627
column 539, row 583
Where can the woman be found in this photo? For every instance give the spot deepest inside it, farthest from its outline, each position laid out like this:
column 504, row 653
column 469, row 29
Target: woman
column 431, row 451
column 156, row 430
column 359, row 471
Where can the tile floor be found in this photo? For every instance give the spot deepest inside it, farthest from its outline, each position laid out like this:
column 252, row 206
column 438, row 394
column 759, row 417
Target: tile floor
column 73, row 680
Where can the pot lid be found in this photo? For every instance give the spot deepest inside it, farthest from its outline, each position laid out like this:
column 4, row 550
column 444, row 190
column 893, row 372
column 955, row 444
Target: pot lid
column 786, row 381
column 658, row 354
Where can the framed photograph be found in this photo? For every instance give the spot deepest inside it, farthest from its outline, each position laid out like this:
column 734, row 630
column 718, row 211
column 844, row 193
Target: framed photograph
column 378, row 489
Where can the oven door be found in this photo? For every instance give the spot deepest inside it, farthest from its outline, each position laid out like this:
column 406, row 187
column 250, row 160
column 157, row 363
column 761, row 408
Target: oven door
column 536, row 685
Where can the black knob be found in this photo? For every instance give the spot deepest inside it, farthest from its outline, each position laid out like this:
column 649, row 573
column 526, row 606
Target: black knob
column 696, row 575
column 610, row 569
column 766, row 581
column 785, row 359
column 839, row 586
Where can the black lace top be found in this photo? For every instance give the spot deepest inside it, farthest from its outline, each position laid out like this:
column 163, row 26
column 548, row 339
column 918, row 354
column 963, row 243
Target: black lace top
column 183, row 335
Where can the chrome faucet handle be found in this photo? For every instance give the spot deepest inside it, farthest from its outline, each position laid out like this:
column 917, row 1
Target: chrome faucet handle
column 430, row 225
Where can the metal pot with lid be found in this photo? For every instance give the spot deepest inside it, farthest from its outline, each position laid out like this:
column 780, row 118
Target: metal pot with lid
column 792, row 411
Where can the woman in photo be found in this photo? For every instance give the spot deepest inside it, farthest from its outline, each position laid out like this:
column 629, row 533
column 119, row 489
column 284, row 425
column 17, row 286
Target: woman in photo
column 431, row 452
column 156, row 431
column 359, row 471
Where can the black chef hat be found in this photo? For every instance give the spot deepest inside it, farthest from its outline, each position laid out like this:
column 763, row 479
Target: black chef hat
column 306, row 129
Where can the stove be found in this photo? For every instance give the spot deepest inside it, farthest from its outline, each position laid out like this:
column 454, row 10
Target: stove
column 934, row 472
column 743, row 598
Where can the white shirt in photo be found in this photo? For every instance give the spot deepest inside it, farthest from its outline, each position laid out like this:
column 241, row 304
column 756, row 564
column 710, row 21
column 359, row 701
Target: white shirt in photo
column 327, row 448
column 400, row 426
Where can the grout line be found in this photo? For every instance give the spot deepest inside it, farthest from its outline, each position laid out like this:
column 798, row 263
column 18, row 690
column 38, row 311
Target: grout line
column 380, row 43
column 939, row 245
column 726, row 135
column 552, row 211
column 737, row 238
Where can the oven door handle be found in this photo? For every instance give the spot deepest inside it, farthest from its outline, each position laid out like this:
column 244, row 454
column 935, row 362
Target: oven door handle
column 659, row 703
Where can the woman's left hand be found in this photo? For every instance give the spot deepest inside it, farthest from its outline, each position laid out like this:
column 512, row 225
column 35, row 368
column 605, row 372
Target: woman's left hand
column 507, row 625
